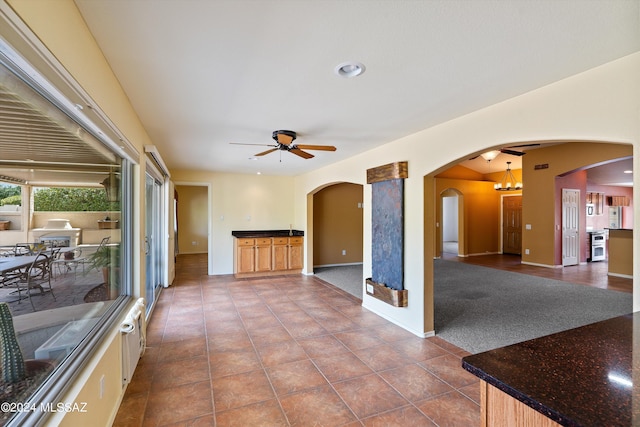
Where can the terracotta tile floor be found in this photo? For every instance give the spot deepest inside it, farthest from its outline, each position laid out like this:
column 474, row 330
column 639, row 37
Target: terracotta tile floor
column 288, row 351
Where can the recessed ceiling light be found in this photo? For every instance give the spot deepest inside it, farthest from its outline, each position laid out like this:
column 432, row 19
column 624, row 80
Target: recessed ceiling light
column 350, row 69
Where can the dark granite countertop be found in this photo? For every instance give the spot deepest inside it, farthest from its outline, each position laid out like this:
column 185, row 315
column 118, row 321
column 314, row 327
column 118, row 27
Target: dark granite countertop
column 248, row 234
column 579, row 377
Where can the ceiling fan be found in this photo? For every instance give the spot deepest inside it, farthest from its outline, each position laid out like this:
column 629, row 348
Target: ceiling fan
column 506, row 150
column 284, row 142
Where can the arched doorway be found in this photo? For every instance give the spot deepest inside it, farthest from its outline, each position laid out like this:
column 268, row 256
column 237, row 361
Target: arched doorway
column 335, row 216
column 452, row 214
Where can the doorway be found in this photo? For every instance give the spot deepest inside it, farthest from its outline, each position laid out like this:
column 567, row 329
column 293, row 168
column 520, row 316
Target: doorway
column 450, row 234
column 570, row 226
column 192, row 214
column 512, row 225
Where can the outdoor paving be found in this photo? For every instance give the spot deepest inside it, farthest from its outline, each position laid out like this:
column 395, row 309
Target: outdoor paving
column 69, row 289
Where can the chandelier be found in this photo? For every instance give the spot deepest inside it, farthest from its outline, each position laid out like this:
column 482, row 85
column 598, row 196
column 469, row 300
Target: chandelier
column 508, row 181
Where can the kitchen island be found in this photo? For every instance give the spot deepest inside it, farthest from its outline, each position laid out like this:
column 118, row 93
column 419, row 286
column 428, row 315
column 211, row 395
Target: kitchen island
column 580, row 377
column 621, row 252
column 267, row 252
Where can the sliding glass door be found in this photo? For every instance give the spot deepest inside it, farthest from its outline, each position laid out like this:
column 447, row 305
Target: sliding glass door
column 153, row 244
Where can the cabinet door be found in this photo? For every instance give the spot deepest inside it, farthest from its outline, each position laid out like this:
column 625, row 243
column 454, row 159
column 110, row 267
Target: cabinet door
column 263, row 254
column 246, row 259
column 280, row 253
column 295, row 253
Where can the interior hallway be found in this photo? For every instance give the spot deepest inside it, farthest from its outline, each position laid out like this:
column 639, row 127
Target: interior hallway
column 288, row 351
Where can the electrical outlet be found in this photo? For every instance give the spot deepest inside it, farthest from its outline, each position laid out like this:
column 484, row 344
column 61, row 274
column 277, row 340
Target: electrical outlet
column 344, row 252
column 526, row 251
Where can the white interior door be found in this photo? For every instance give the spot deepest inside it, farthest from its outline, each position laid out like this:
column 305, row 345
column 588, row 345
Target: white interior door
column 570, row 227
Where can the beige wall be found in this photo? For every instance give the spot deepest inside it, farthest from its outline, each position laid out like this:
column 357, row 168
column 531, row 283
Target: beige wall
column 337, row 213
column 602, row 104
column 241, row 202
column 192, row 219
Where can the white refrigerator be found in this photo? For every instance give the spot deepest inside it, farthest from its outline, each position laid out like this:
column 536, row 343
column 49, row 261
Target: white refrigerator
column 615, row 216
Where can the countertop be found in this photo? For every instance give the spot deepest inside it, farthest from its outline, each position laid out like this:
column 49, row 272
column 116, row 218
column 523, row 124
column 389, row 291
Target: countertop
column 248, row 234
column 579, row 377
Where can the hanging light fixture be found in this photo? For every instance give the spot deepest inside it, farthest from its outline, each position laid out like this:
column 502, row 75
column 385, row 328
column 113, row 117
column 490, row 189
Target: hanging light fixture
column 508, row 181
column 111, row 185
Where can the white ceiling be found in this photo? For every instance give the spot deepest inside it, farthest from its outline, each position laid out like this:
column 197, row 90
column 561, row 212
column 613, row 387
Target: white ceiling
column 202, row 74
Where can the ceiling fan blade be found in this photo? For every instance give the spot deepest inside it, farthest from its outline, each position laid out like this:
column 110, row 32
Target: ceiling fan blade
column 512, row 152
column 242, row 143
column 266, row 152
column 299, row 152
column 316, row 147
column 535, row 144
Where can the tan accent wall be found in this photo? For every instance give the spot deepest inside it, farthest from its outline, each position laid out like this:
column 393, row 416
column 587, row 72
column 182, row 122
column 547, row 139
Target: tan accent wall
column 542, row 198
column 479, row 215
column 338, row 224
column 192, row 219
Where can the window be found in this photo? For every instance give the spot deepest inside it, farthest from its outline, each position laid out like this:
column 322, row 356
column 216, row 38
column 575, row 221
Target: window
column 55, row 153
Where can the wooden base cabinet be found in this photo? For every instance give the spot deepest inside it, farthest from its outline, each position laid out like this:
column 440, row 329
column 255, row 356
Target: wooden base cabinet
column 280, row 253
column 268, row 256
column 294, row 253
column 245, row 256
column 498, row 409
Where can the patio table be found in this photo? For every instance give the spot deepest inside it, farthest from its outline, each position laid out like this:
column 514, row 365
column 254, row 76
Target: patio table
column 8, row 264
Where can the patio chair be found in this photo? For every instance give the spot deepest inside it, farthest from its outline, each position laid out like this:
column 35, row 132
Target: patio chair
column 23, row 249
column 69, row 261
column 36, row 276
column 104, row 242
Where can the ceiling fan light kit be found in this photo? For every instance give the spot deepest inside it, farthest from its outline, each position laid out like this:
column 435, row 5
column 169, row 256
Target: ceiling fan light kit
column 285, row 137
column 490, row 155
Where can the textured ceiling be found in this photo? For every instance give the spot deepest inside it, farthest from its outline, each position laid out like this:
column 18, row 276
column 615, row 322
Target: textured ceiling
column 203, row 74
